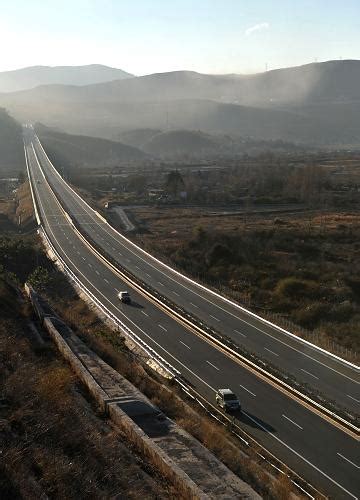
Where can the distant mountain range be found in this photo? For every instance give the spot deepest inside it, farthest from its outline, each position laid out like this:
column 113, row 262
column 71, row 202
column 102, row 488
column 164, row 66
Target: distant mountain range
column 33, row 76
column 314, row 104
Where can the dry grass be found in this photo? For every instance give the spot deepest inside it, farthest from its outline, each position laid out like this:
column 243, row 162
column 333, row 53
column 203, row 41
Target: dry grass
column 52, row 441
column 262, row 250
column 110, row 347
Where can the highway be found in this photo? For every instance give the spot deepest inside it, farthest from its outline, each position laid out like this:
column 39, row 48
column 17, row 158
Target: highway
column 320, row 452
column 335, row 380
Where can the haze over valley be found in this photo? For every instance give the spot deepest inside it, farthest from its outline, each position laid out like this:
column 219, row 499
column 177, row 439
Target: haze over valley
column 179, row 249
column 315, row 104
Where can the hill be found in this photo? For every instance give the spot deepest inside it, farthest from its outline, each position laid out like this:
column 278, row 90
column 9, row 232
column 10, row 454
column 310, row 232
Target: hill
column 180, row 142
column 137, row 137
column 27, row 78
column 11, row 146
column 83, row 151
column 317, row 104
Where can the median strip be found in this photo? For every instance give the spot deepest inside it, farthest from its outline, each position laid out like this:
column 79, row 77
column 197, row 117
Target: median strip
column 270, row 374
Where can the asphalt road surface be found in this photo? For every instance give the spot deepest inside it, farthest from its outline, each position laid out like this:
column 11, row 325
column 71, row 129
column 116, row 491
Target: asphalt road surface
column 320, row 452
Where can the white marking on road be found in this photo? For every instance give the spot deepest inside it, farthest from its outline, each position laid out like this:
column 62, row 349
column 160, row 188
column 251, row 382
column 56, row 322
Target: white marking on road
column 272, row 352
column 194, row 305
column 242, row 334
column 113, row 248
column 216, row 368
column 289, row 419
column 163, row 327
column 90, row 265
column 97, row 272
column 137, row 267
column 175, row 293
column 106, row 281
column 351, row 397
column 245, row 389
column 217, row 319
column 144, row 313
column 298, row 454
column 311, row 374
column 350, row 462
column 83, row 258
column 183, row 343
column 203, row 381
column 161, row 284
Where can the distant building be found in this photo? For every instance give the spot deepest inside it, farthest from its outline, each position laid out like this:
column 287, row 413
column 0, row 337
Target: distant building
column 156, row 193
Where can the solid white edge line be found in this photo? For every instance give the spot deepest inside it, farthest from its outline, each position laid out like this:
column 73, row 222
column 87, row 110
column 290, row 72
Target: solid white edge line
column 212, row 292
column 79, row 233
column 299, row 455
column 250, row 417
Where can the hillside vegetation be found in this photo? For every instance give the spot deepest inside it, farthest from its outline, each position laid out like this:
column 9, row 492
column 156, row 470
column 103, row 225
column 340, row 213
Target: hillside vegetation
column 53, row 445
column 304, row 267
column 77, row 150
column 11, row 146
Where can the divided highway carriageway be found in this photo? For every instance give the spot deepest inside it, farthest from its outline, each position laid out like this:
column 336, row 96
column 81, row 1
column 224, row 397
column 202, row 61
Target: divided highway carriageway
column 322, row 453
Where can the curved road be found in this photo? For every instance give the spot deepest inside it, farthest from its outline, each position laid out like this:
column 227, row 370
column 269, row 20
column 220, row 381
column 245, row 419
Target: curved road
column 323, row 454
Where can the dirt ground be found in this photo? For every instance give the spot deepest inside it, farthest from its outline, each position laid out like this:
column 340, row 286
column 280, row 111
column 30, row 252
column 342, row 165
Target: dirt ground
column 262, row 258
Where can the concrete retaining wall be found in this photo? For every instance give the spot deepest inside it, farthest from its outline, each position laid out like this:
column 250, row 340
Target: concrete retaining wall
column 179, row 457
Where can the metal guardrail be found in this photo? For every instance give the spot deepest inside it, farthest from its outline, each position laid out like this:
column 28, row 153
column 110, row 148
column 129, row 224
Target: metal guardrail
column 212, row 292
column 147, row 349
column 190, row 322
column 229, row 349
column 302, row 485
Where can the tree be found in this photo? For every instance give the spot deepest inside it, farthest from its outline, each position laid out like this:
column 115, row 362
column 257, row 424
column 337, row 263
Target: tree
column 174, row 183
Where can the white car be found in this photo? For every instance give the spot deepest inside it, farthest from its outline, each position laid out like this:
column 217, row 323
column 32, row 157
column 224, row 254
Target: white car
column 124, row 297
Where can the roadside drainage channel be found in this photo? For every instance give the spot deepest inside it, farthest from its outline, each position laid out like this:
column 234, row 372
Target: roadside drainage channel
column 190, row 467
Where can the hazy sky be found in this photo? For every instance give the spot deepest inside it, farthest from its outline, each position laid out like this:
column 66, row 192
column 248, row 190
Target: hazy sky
column 146, row 36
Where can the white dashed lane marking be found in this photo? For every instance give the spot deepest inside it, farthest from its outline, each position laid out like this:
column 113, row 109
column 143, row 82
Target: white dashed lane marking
column 247, row 390
column 294, row 423
column 350, row 462
column 216, row 368
column 272, row 352
column 351, row 397
column 311, row 374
